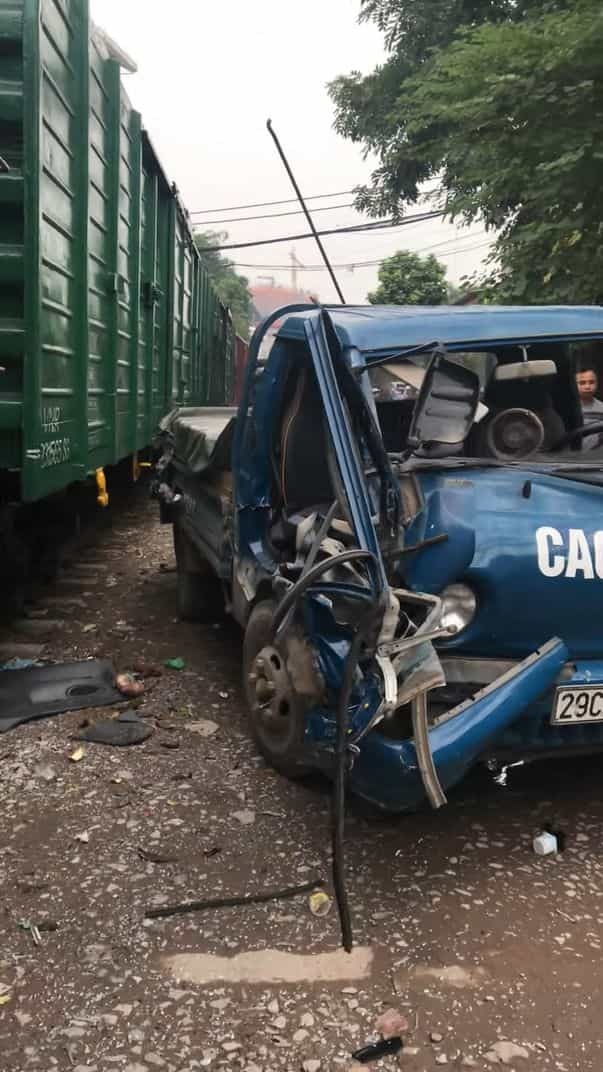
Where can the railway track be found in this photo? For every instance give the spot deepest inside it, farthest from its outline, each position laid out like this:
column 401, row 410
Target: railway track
column 44, row 592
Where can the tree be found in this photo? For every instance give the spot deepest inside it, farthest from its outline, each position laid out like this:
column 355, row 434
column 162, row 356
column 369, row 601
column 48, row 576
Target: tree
column 409, row 279
column 230, row 286
column 504, row 108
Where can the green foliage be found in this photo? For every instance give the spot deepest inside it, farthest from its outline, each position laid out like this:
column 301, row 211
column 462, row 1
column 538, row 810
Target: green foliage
column 409, row 279
column 503, row 104
column 231, row 287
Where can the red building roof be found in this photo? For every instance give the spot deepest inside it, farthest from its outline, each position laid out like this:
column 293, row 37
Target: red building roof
column 266, row 299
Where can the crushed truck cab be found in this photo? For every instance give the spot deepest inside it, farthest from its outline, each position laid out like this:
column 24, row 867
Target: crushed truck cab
column 402, row 518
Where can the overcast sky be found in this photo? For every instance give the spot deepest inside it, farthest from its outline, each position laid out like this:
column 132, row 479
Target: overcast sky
column 211, row 73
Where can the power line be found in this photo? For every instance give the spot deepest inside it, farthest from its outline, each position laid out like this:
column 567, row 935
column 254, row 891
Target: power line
column 273, row 215
column 268, row 204
column 377, row 225
column 369, row 263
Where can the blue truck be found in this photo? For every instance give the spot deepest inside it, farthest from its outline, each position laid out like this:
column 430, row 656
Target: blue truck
column 403, row 520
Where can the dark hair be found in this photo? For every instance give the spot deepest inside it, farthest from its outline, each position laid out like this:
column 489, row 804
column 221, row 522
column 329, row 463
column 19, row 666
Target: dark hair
column 587, row 368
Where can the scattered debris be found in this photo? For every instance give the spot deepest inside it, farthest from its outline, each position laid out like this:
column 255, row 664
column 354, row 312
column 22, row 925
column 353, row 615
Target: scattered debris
column 164, row 911
column 78, row 755
column 157, row 857
column 548, row 828
column 144, row 669
column 545, row 844
column 215, row 849
column 32, row 930
column 127, row 729
column 246, row 817
column 203, row 726
column 504, row 1053
column 175, row 664
column 391, row 1024
column 84, row 837
column 40, row 691
column 320, row 903
column 129, row 686
column 454, row 975
column 435, row 1036
column 45, row 772
column 5, row 998
column 384, row 1048
column 19, row 664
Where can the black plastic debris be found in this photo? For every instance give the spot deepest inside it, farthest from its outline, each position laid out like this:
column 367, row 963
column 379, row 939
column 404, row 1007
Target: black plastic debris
column 383, row 1048
column 49, row 690
column 127, row 729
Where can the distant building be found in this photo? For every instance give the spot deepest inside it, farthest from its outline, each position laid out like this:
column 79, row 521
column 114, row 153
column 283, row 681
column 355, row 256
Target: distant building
column 266, row 298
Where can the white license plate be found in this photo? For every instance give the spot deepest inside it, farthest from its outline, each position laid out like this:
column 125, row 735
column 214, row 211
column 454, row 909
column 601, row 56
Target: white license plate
column 578, row 704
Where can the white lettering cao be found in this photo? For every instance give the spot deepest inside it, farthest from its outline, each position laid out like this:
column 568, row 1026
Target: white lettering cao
column 577, row 559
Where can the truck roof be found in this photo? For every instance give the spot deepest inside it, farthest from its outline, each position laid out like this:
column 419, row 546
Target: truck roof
column 383, row 328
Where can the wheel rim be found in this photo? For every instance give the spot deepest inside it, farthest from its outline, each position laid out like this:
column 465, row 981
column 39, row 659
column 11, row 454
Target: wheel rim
column 270, row 695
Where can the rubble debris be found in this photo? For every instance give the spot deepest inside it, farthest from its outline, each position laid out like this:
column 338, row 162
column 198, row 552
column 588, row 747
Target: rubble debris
column 19, row 664
column 208, row 853
column 164, row 911
column 246, row 817
column 129, row 686
column 125, row 730
column 203, row 726
column 545, row 844
column 504, row 1053
column 144, row 669
column 320, row 903
column 78, row 755
column 45, row 772
column 175, row 664
column 391, row 1024
column 157, row 857
column 384, row 1048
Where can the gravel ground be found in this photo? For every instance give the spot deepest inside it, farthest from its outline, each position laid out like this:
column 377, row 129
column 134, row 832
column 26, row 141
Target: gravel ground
column 491, row 953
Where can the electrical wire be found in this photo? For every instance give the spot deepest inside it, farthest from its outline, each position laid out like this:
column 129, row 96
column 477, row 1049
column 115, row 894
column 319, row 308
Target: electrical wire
column 361, row 264
column 269, row 204
column 274, row 215
column 377, row 225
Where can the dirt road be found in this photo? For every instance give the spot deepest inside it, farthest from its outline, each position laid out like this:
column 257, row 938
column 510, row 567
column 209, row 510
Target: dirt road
column 491, row 953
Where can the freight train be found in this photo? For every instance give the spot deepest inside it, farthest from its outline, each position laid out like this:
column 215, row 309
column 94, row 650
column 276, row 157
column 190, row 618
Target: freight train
column 108, row 319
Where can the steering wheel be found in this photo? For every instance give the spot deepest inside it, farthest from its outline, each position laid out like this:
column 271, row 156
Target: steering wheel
column 582, row 432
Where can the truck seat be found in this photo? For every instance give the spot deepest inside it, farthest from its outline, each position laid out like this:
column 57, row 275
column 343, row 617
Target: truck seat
column 304, row 466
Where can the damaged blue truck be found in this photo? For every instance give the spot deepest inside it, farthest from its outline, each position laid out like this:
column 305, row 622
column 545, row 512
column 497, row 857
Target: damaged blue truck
column 403, row 520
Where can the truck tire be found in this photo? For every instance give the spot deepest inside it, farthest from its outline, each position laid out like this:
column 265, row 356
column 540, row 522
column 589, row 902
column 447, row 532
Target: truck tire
column 198, row 588
column 278, row 730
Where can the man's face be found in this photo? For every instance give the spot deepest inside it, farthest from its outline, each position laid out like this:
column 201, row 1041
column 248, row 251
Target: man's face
column 587, row 385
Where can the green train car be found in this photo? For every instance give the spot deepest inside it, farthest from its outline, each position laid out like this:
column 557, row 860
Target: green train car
column 107, row 317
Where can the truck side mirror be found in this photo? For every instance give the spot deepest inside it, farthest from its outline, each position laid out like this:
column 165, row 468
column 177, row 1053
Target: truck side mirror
column 447, row 404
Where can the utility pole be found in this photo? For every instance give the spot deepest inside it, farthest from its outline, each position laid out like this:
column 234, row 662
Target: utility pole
column 295, row 264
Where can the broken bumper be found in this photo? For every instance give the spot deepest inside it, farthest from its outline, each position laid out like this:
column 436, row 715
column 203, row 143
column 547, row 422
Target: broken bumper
column 386, row 772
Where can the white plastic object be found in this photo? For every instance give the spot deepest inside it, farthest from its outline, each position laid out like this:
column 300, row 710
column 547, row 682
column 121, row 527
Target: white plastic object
column 545, row 844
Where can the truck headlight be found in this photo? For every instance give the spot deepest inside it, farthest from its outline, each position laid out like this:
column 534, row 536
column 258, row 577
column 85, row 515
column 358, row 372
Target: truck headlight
column 459, row 606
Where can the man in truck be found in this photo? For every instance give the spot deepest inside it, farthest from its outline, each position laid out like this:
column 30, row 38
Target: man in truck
column 587, row 383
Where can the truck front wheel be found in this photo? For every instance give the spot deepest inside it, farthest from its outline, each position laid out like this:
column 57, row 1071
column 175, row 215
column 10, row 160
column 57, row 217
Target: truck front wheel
column 276, row 713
